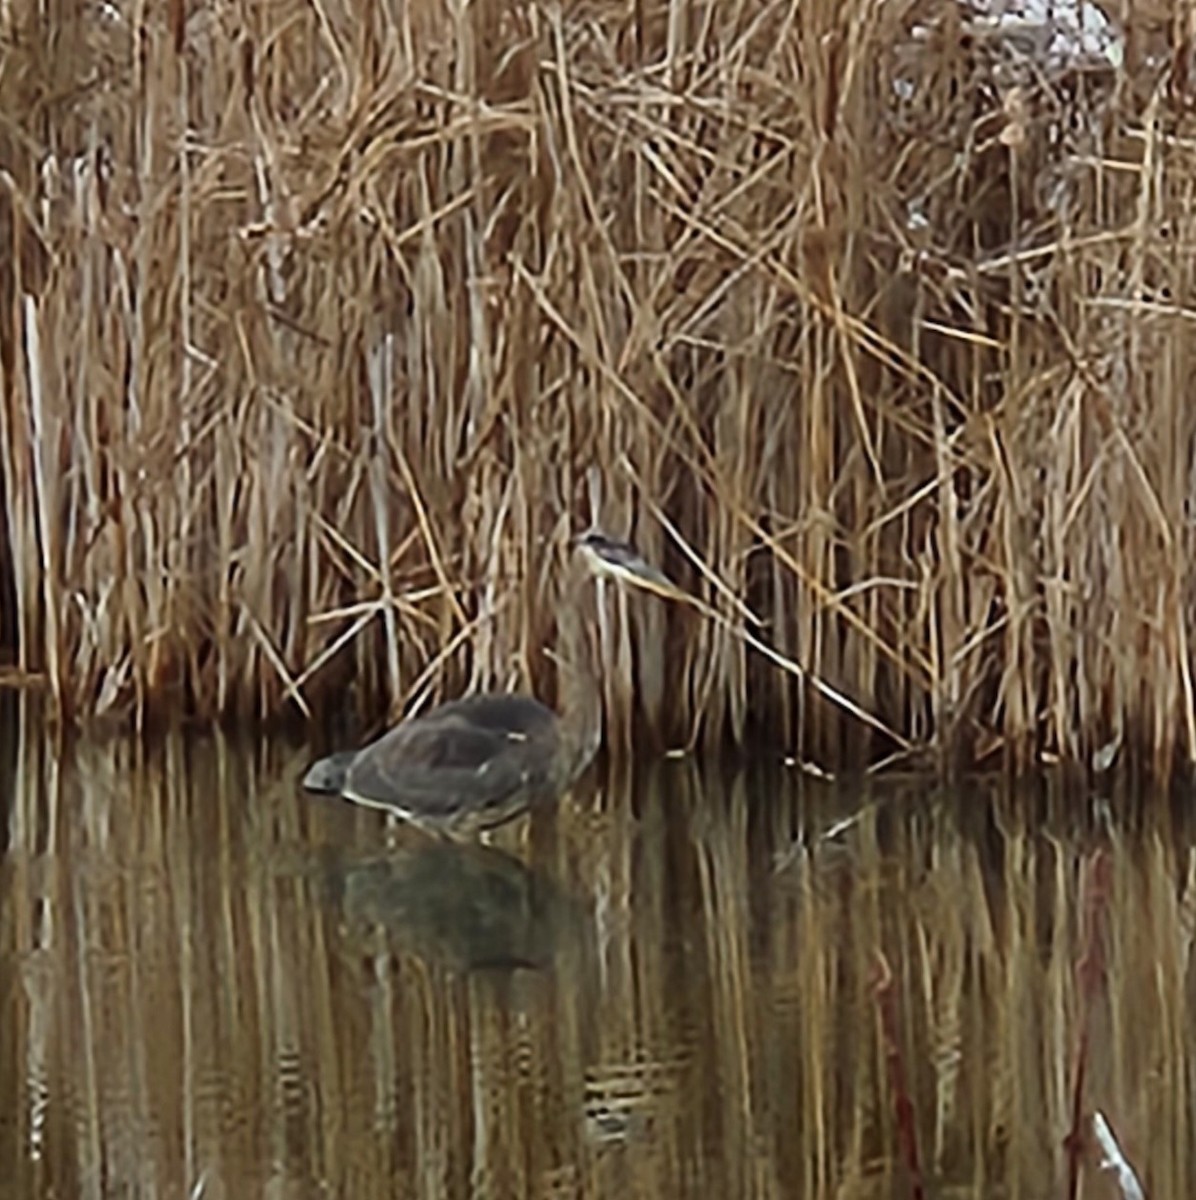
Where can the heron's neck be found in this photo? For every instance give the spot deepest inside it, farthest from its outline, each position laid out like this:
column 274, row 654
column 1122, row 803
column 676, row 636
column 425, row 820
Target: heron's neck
column 580, row 694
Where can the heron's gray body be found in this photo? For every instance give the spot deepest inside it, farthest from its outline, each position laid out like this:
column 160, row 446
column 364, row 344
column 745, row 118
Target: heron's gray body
column 467, row 765
column 474, row 763
column 328, row 774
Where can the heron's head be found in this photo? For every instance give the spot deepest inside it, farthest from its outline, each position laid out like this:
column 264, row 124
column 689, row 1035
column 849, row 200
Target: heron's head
column 607, row 557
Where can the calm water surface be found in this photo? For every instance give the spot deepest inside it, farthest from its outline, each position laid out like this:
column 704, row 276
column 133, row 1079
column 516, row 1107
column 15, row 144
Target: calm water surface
column 683, row 983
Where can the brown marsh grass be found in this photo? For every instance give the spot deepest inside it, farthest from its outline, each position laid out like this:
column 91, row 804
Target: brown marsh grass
column 316, row 319
column 186, row 1004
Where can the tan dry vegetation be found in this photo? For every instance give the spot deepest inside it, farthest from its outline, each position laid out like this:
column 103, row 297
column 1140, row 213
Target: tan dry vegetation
column 315, row 318
column 213, row 979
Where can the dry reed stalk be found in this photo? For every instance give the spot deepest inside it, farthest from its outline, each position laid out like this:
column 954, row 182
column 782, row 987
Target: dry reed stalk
column 891, row 329
column 44, row 436
column 1091, row 970
column 905, row 1117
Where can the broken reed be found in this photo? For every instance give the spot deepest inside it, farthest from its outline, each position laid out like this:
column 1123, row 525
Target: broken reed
column 315, row 320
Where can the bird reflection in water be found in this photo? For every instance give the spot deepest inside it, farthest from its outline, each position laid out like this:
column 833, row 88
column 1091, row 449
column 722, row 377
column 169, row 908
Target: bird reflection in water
column 466, row 906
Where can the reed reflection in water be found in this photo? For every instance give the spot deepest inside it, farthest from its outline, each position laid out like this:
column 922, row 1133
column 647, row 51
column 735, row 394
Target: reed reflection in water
column 212, row 984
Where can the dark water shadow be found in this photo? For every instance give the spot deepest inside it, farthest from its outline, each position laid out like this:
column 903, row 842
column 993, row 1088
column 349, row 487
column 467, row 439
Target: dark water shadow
column 467, row 906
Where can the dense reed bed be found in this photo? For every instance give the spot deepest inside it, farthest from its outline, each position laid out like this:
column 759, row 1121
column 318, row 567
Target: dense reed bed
column 214, row 984
column 317, row 319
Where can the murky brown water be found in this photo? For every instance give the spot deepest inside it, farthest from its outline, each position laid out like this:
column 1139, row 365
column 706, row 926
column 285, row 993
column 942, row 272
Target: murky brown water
column 212, row 984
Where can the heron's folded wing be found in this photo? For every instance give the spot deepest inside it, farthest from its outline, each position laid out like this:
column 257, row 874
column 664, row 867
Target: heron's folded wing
column 442, row 763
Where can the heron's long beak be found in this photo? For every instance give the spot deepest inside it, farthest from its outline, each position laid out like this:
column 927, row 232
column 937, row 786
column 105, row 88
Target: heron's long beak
column 619, row 561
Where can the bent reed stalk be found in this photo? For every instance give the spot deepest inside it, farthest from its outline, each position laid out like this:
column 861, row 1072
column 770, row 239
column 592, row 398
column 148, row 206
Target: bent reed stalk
column 317, row 319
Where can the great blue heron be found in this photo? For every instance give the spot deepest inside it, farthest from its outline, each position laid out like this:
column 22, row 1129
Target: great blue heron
column 472, row 764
